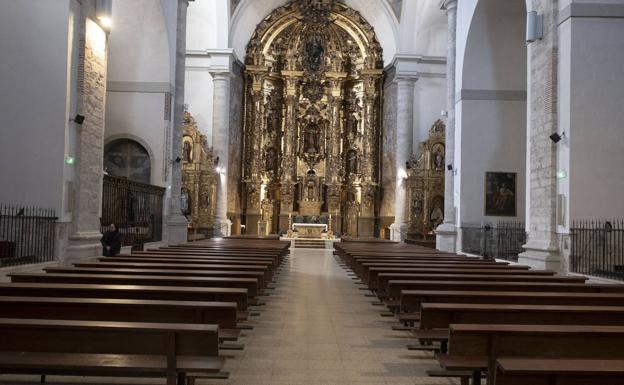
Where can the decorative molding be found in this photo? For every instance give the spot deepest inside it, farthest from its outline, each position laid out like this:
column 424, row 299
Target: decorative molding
column 212, row 60
column 591, row 10
column 500, row 95
column 417, row 66
column 140, row 87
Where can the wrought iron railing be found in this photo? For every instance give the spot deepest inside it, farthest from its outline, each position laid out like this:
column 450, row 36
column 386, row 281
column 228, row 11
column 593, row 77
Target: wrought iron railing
column 135, row 208
column 502, row 241
column 26, row 235
column 598, row 248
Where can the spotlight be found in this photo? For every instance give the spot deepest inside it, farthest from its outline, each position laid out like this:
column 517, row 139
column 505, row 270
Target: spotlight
column 104, row 12
column 78, row 119
column 216, row 161
column 177, row 160
column 449, row 167
column 556, row 138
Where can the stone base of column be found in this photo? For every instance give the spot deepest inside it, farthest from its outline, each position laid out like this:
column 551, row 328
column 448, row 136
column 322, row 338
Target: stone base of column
column 446, row 238
column 82, row 245
column 398, row 232
column 177, row 230
column 542, row 256
column 223, row 227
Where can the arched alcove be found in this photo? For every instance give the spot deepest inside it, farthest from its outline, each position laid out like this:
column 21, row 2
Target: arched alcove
column 127, row 158
column 491, row 113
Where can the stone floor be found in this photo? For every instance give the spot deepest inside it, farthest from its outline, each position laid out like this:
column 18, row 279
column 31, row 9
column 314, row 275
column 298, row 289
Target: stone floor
column 318, row 328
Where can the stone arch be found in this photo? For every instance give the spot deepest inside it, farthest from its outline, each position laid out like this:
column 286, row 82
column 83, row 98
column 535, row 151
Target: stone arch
column 491, row 109
column 249, row 13
column 139, row 144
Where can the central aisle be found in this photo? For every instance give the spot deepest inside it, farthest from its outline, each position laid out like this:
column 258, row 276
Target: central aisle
column 319, row 328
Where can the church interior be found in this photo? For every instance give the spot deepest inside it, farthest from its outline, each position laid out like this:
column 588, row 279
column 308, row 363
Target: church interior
column 312, row 192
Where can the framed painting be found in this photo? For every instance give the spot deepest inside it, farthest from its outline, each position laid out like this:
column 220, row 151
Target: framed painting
column 500, row 194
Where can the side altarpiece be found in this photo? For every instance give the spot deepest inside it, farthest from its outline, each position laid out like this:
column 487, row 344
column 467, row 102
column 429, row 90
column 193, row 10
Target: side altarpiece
column 312, row 119
column 199, row 179
column 425, row 184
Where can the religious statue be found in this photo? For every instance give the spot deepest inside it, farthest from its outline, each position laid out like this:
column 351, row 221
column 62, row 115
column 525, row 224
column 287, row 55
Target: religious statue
column 310, row 187
column 185, row 202
column 314, row 52
column 437, row 213
column 311, row 145
column 186, row 151
column 271, row 160
column 352, row 162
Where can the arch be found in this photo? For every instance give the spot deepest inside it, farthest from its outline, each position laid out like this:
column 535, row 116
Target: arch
column 491, row 111
column 125, row 156
column 249, row 13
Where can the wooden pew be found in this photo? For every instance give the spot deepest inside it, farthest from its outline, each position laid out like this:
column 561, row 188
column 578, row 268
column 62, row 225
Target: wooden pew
column 175, row 266
column 523, row 371
column 403, row 280
column 165, row 293
column 98, row 348
column 190, row 260
column 442, row 315
column 362, row 267
column 396, row 286
column 259, row 276
column 412, row 299
column 202, row 256
column 477, row 347
column 125, row 310
column 371, row 280
column 143, row 280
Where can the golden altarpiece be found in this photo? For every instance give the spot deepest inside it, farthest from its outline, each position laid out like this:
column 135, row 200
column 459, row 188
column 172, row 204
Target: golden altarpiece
column 312, row 120
column 199, row 179
column 425, row 185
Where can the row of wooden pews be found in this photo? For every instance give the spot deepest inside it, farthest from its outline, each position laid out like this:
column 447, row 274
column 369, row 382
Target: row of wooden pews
column 513, row 324
column 165, row 312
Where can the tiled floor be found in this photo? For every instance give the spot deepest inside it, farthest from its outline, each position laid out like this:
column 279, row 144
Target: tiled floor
column 318, row 328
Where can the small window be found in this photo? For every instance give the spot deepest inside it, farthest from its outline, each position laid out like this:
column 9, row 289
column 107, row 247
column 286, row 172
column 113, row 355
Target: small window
column 127, row 158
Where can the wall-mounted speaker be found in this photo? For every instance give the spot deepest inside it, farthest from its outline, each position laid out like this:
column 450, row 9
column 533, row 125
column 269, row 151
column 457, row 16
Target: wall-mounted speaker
column 535, row 27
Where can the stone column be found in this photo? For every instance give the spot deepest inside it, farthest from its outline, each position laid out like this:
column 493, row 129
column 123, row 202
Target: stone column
column 176, row 222
column 542, row 249
column 446, row 233
column 220, row 144
column 84, row 240
column 403, row 151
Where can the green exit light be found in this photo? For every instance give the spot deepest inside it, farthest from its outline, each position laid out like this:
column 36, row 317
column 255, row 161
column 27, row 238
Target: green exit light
column 69, row 160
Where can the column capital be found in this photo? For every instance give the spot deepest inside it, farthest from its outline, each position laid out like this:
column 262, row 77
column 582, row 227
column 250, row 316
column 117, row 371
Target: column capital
column 220, row 75
column 447, row 5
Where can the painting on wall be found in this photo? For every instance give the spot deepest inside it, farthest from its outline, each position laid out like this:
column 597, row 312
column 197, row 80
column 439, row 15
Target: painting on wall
column 500, row 194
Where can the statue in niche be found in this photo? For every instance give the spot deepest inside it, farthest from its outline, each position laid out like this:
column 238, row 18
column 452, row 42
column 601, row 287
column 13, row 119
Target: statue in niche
column 417, row 207
column 352, row 167
column 310, row 187
column 185, row 202
column 271, row 160
column 314, row 53
column 204, row 196
column 437, row 155
column 311, row 140
column 437, row 212
column 186, row 152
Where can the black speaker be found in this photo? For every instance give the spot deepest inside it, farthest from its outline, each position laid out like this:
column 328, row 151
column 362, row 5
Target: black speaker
column 79, row 119
column 556, row 138
column 449, row 167
column 178, row 159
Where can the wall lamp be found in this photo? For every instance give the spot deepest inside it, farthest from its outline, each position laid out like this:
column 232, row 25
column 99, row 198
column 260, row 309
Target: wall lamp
column 104, row 12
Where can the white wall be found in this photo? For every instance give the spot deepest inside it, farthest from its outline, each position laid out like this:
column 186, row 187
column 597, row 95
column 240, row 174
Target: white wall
column 491, row 103
column 591, row 114
column 429, row 101
column 34, row 117
column 139, row 77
